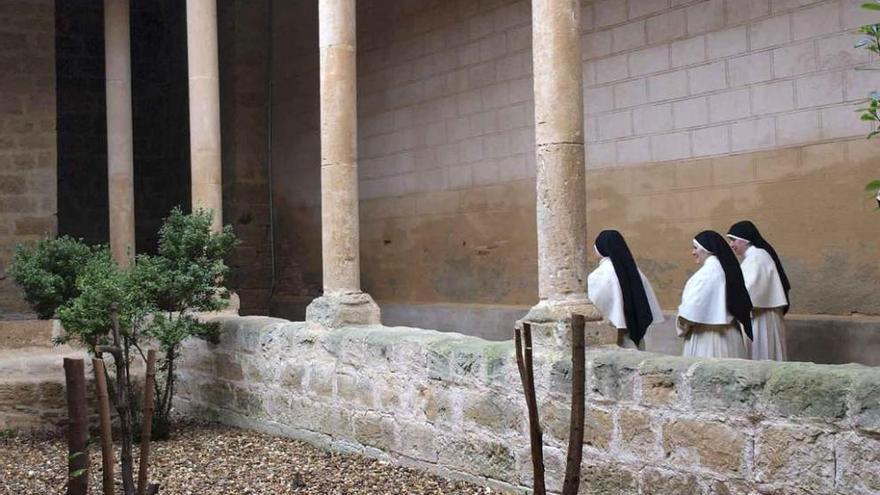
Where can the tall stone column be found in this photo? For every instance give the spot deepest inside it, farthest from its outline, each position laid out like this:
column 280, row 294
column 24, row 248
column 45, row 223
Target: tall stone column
column 120, row 168
column 204, row 107
column 561, row 201
column 343, row 303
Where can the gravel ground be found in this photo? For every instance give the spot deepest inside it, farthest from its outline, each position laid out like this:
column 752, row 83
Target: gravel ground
column 214, row 459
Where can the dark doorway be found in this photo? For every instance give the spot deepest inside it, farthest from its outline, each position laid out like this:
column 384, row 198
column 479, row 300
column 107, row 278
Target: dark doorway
column 160, row 113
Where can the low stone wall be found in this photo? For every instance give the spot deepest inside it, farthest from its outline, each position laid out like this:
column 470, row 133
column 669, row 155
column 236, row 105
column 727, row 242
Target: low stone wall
column 824, row 339
column 453, row 405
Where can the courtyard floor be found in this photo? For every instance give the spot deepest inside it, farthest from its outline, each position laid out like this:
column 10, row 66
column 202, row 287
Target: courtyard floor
column 215, row 459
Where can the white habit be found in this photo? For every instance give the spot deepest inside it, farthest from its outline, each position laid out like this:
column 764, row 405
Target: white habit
column 768, row 298
column 603, row 289
column 703, row 320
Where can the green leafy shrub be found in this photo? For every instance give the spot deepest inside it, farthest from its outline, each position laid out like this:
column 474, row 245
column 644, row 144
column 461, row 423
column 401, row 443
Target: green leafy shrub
column 157, row 298
column 100, row 284
column 184, row 277
column 47, row 271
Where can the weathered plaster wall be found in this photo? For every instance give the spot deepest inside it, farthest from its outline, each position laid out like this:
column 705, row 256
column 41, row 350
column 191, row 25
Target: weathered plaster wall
column 807, row 200
column 452, row 404
column 27, row 133
column 700, row 113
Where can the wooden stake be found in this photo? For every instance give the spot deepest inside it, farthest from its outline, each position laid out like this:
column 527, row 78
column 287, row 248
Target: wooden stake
column 147, row 426
column 107, row 460
column 77, row 428
column 122, row 406
column 576, row 428
column 526, row 373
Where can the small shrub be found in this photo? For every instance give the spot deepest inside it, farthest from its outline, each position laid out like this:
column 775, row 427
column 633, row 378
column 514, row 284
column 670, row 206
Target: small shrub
column 47, row 271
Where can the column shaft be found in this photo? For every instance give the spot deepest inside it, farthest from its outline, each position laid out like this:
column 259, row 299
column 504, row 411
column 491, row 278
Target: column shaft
column 561, row 191
column 204, row 107
column 343, row 303
column 559, row 132
column 339, row 185
column 120, row 168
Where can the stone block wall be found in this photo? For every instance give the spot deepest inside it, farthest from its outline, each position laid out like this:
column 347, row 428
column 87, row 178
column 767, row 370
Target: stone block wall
column 27, row 133
column 699, row 78
column 296, row 156
column 699, row 113
column 452, row 404
column 244, row 105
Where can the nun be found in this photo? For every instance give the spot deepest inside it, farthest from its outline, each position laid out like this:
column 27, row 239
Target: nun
column 768, row 288
column 715, row 307
column 621, row 292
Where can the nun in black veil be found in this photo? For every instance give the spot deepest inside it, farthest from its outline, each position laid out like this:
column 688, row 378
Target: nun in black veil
column 621, row 292
column 768, row 287
column 715, row 308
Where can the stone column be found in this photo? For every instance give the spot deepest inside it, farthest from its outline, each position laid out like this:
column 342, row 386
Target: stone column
column 204, row 107
column 343, row 303
column 561, row 202
column 120, row 168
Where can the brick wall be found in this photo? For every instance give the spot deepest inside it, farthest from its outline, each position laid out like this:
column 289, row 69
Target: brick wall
column 27, row 133
column 452, row 405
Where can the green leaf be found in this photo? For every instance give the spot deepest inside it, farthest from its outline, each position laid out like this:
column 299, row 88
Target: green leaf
column 873, row 185
column 871, row 6
column 79, row 472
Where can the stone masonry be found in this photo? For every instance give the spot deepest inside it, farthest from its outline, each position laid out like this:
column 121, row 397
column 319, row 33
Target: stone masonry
column 453, row 405
column 27, row 132
column 698, row 113
column 244, row 105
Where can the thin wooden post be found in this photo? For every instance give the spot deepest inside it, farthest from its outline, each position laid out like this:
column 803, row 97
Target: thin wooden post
column 147, row 426
column 526, row 372
column 77, row 428
column 107, row 460
column 122, row 405
column 576, row 428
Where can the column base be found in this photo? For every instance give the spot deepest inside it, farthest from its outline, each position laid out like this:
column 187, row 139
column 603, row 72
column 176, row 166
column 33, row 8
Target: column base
column 550, row 321
column 341, row 309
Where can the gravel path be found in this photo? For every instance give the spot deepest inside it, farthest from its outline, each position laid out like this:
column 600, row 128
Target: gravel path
column 214, row 459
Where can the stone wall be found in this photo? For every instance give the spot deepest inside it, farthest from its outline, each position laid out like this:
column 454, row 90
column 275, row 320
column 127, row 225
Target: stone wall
column 296, row 156
column 699, row 113
column 452, row 404
column 244, row 105
column 27, row 133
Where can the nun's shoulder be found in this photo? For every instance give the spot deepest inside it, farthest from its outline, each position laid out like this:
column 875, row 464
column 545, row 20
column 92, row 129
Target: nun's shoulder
column 603, row 268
